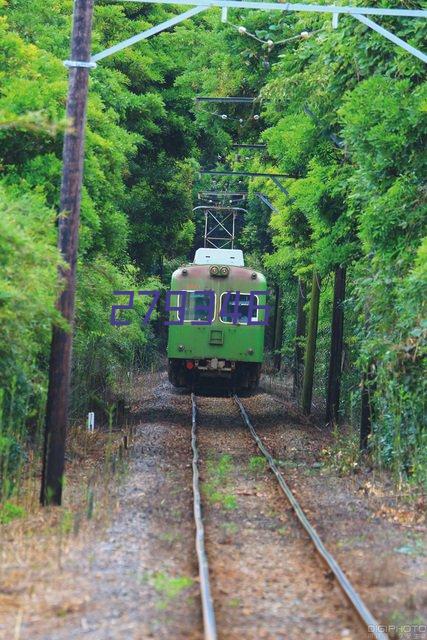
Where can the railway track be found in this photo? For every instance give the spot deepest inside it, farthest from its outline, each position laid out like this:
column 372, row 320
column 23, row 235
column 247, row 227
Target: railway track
column 369, row 625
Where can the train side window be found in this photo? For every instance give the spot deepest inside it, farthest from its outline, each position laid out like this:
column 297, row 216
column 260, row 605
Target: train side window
column 199, row 306
column 231, row 306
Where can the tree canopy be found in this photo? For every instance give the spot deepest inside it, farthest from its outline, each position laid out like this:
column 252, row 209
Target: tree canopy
column 342, row 113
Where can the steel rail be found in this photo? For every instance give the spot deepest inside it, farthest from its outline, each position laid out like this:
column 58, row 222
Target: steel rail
column 209, row 623
column 363, row 613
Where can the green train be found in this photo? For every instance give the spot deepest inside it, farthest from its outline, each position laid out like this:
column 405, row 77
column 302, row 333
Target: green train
column 222, row 292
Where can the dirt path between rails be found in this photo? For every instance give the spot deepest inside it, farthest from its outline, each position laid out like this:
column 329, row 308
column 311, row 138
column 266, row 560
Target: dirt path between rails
column 267, row 582
column 136, row 578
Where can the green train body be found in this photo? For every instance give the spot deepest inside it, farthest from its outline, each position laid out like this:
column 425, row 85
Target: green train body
column 221, row 349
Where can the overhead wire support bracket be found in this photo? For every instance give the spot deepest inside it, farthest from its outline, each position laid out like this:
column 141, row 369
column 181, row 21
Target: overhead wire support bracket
column 226, row 99
column 280, row 185
column 266, row 201
column 249, row 174
column 248, row 146
column 390, row 36
column 358, row 13
column 222, row 196
column 229, row 194
column 293, row 6
column 150, row 32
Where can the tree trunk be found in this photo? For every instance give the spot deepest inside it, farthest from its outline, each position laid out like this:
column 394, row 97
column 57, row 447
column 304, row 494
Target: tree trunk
column 278, row 330
column 68, row 235
column 335, row 358
column 310, row 350
column 301, row 322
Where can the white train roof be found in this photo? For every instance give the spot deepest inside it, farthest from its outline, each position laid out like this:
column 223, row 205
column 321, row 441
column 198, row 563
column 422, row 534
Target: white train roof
column 230, row 257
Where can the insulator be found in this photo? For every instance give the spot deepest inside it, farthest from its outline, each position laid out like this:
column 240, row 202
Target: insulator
column 270, row 44
column 304, row 35
column 224, row 116
column 242, row 30
column 256, row 117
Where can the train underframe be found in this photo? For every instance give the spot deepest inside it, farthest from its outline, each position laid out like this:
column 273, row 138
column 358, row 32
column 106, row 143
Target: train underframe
column 239, row 375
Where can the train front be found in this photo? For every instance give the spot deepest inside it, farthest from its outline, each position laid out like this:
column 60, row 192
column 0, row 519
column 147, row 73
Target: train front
column 217, row 307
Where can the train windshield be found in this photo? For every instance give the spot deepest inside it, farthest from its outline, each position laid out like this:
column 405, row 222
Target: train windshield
column 230, row 307
column 199, row 305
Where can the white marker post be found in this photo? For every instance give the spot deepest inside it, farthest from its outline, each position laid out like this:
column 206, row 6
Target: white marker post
column 91, row 421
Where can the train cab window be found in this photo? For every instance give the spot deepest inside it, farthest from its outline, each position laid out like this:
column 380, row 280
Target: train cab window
column 229, row 307
column 199, row 306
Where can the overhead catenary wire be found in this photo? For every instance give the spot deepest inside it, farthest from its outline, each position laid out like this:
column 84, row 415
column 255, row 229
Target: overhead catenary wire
column 304, row 35
column 225, row 116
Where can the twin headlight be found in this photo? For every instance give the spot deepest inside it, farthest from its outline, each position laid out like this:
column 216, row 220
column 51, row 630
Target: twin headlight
column 217, row 271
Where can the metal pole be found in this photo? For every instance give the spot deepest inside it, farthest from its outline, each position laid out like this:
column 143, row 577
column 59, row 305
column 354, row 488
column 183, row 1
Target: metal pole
column 206, row 230
column 337, row 340
column 278, row 330
column 68, row 234
column 299, row 338
column 234, row 230
column 310, row 350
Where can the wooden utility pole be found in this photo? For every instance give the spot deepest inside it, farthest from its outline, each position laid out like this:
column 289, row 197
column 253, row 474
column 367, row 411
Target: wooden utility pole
column 68, row 235
column 337, row 341
column 301, row 321
column 310, row 349
column 278, row 330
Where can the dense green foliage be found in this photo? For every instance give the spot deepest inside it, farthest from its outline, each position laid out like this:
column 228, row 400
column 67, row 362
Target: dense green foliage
column 345, row 117
column 343, row 114
column 138, row 170
column 363, row 205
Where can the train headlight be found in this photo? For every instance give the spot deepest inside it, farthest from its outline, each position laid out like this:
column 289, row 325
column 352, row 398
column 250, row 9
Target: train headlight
column 219, row 271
